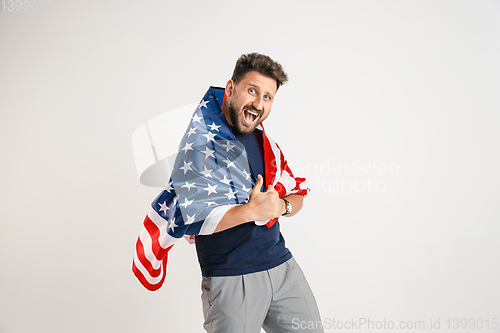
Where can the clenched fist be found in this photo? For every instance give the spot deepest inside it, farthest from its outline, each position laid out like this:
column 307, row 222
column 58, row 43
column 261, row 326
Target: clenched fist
column 265, row 205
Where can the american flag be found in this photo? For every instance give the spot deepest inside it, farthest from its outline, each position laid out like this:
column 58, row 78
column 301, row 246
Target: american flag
column 211, row 174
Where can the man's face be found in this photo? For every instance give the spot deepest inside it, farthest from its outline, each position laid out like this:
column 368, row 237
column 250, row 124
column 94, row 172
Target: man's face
column 250, row 101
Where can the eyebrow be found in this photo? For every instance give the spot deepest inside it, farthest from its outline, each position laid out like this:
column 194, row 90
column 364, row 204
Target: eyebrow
column 256, row 86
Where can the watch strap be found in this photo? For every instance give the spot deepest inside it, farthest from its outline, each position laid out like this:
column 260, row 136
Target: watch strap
column 288, row 206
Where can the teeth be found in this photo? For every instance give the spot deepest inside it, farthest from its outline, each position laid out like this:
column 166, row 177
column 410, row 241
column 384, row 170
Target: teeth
column 255, row 114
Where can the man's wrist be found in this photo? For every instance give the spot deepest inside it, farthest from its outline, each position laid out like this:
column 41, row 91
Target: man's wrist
column 248, row 210
column 288, row 207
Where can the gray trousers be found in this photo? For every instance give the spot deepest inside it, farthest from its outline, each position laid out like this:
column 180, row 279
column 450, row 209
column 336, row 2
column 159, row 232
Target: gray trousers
column 278, row 300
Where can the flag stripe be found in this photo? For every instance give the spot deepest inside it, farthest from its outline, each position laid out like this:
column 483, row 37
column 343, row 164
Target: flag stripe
column 146, row 262
column 213, row 219
column 272, row 159
column 146, row 239
column 147, row 282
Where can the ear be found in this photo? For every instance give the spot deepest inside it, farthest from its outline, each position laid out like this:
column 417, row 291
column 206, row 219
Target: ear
column 229, row 88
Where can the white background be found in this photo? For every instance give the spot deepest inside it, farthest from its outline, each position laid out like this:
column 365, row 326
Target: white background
column 412, row 85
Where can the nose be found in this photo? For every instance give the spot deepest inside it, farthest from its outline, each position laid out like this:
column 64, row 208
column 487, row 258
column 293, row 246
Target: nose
column 257, row 103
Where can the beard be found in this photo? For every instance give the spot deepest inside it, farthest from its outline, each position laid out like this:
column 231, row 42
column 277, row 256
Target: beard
column 237, row 121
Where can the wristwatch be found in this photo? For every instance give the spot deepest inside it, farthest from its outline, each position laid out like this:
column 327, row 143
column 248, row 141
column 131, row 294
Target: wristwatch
column 288, row 207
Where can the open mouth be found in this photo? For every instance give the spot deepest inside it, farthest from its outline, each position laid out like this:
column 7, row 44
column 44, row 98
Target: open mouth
column 249, row 116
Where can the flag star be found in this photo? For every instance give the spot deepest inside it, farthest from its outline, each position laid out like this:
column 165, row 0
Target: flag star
column 210, row 203
column 247, row 175
column 231, row 194
column 208, row 153
column 207, row 172
column 186, row 167
column 228, row 146
column 186, row 202
column 226, row 181
column 214, row 127
column 202, row 104
column 211, row 189
column 229, row 163
column 172, row 224
column 192, row 130
column 187, row 147
column 246, row 189
column 196, row 118
column 163, row 208
column 190, row 219
column 174, row 202
column 210, row 136
column 188, row 185
column 169, row 187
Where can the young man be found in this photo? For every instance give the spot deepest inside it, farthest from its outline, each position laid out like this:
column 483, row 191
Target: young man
column 229, row 185
column 250, row 279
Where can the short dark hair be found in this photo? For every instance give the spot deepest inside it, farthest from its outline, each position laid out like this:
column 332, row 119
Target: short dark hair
column 260, row 63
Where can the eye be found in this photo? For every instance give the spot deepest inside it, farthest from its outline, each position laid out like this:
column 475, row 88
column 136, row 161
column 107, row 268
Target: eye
column 251, row 91
column 267, row 97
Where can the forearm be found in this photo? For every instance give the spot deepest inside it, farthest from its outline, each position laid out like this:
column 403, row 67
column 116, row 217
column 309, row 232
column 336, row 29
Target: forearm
column 297, row 202
column 234, row 216
column 246, row 213
column 261, row 206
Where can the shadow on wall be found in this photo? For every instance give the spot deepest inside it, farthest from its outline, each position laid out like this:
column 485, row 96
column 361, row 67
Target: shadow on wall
column 155, row 145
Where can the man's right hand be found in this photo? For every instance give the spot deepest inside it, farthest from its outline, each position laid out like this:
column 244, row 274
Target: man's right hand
column 261, row 206
column 266, row 205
